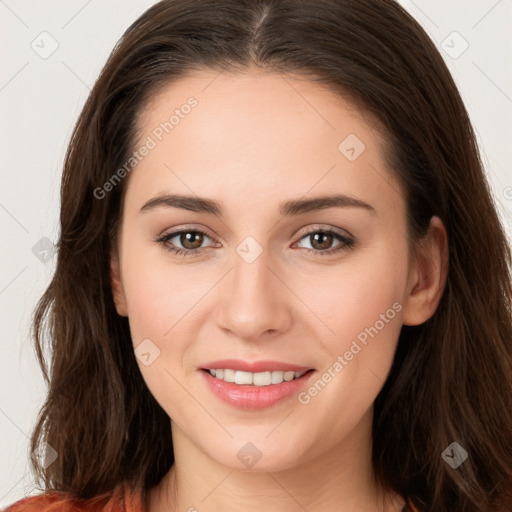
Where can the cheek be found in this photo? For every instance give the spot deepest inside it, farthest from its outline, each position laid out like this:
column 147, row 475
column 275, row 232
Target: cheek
column 360, row 307
column 158, row 294
column 149, row 302
column 353, row 295
column 160, row 301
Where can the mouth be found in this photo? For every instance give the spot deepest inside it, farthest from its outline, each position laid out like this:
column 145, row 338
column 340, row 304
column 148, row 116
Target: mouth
column 255, row 379
column 255, row 385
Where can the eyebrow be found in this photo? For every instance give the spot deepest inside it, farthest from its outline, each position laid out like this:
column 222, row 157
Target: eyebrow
column 295, row 207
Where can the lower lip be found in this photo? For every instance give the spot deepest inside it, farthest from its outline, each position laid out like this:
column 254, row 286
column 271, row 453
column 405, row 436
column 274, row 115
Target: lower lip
column 255, row 397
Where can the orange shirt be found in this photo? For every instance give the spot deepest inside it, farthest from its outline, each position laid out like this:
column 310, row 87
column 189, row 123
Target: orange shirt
column 116, row 502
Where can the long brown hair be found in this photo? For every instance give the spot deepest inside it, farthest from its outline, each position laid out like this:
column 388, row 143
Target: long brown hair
column 451, row 380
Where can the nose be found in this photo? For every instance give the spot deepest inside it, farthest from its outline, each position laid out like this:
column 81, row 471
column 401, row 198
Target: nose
column 254, row 303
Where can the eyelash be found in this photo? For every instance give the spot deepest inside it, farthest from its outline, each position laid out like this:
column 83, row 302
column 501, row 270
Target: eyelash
column 346, row 242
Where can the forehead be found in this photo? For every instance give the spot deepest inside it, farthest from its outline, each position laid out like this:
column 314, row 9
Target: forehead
column 257, row 134
column 253, row 99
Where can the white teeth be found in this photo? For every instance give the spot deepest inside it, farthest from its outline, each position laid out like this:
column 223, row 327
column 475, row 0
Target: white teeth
column 255, row 379
column 229, row 375
column 288, row 375
column 243, row 377
column 277, row 377
column 262, row 379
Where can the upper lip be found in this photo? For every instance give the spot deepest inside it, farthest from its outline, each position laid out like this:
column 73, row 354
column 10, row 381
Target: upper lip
column 254, row 366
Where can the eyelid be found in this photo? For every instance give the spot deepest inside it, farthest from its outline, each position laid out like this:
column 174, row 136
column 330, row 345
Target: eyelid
column 187, row 227
column 322, row 227
column 299, row 235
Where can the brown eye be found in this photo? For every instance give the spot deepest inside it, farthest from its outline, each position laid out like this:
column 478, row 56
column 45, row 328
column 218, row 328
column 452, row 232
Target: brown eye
column 186, row 242
column 322, row 242
column 191, row 239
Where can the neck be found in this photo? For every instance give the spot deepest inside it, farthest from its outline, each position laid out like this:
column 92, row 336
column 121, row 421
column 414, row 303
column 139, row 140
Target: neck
column 341, row 479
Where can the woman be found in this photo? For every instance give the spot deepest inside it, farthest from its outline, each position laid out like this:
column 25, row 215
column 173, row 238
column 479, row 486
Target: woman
column 282, row 283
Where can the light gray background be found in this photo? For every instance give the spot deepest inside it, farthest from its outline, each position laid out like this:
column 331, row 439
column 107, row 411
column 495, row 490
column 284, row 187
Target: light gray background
column 40, row 99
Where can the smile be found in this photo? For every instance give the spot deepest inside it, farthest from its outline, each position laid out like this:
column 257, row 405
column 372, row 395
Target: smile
column 255, row 379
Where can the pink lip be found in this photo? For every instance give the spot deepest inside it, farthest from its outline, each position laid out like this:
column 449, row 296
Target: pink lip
column 254, row 366
column 254, row 397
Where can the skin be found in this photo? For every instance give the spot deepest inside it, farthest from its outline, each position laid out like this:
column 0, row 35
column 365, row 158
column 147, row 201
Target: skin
column 256, row 140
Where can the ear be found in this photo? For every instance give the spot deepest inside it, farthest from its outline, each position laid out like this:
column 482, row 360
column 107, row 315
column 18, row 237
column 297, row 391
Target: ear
column 117, row 284
column 427, row 276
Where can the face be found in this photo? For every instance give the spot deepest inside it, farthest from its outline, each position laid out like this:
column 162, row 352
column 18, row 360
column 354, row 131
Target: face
column 270, row 280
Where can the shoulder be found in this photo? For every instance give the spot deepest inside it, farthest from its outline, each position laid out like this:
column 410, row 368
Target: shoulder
column 60, row 502
column 51, row 502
